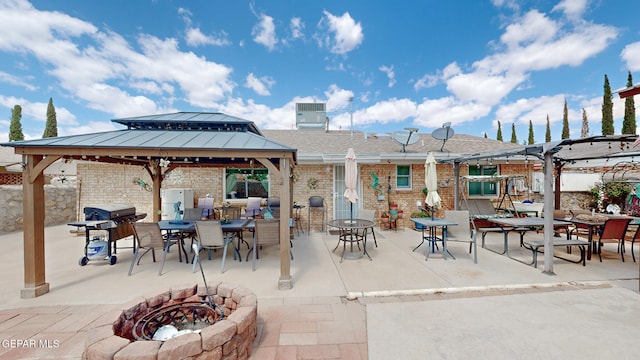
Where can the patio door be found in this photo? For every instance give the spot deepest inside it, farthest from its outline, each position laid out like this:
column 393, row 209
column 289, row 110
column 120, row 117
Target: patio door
column 342, row 208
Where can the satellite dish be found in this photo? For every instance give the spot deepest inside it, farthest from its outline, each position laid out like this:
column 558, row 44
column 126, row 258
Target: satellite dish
column 443, row 133
column 406, row 137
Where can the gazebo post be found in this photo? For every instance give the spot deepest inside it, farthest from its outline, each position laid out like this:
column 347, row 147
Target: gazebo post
column 33, row 206
column 549, row 200
column 284, row 282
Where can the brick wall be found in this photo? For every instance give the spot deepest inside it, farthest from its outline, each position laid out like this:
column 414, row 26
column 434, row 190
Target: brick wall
column 107, row 183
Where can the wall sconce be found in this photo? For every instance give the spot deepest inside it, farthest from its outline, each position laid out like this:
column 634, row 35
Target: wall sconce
column 327, row 169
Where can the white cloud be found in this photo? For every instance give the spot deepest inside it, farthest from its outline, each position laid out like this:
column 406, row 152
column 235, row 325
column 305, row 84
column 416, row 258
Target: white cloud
column 264, row 32
column 433, row 113
column 383, row 112
column 347, row 34
column 106, row 68
column 573, row 9
column 260, row 85
column 525, row 47
column 297, row 27
column 391, row 75
column 426, row 81
column 534, row 27
column 534, row 109
column 15, row 80
column 631, row 55
column 337, row 98
column 195, row 37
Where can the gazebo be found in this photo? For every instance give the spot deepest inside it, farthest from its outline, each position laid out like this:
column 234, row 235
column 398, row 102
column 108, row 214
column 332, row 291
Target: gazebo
column 190, row 139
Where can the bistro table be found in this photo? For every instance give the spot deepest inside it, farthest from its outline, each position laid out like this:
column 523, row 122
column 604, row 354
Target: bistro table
column 431, row 225
column 348, row 229
column 520, row 225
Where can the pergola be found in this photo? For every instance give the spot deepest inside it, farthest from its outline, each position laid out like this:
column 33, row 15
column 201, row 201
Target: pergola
column 555, row 155
column 187, row 139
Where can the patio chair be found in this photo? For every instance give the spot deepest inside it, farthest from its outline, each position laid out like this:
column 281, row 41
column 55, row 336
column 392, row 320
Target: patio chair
column 193, row 214
column 614, row 230
column 481, row 212
column 252, row 210
column 206, row 204
column 462, row 232
column 149, row 237
column 210, row 236
column 316, row 205
column 634, row 239
column 273, row 205
column 367, row 214
column 267, row 232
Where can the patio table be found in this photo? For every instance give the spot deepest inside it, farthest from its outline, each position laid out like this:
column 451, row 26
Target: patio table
column 431, row 225
column 592, row 227
column 521, row 225
column 348, row 233
column 189, row 227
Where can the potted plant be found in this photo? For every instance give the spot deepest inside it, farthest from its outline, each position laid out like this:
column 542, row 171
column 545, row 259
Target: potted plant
column 384, row 217
column 420, row 214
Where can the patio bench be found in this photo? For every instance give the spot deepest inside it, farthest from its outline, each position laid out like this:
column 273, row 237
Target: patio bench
column 535, row 246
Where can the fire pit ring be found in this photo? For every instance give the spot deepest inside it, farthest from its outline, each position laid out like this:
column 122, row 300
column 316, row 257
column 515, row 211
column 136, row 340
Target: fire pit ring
column 189, row 315
column 230, row 336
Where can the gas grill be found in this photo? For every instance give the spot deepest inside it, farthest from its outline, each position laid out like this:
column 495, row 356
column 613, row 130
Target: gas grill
column 115, row 219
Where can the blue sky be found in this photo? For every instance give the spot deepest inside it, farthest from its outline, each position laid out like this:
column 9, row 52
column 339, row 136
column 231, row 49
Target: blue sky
column 405, row 63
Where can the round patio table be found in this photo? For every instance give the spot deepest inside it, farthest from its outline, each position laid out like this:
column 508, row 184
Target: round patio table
column 352, row 231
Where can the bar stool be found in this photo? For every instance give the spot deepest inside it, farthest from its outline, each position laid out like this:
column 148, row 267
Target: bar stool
column 316, row 204
column 297, row 219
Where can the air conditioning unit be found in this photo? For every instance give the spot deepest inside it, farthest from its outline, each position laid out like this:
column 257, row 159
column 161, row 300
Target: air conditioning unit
column 311, row 116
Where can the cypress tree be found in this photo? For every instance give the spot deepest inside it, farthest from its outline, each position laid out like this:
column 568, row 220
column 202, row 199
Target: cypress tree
column 499, row 136
column 15, row 129
column 514, row 139
column 547, row 134
column 585, row 124
column 607, row 109
column 629, row 122
column 530, row 140
column 565, row 121
column 51, row 127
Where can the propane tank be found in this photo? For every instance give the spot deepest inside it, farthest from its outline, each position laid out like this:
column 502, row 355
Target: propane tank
column 97, row 248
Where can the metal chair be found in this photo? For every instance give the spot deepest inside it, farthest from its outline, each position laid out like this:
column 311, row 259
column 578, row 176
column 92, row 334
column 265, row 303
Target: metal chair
column 273, row 205
column 149, row 237
column 210, row 236
column 462, row 232
column 614, row 230
column 366, row 214
column 252, row 210
column 193, row 214
column 316, row 204
column 206, row 204
column 267, row 232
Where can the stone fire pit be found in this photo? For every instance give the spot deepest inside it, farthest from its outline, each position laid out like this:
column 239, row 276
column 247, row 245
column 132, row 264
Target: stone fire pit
column 231, row 338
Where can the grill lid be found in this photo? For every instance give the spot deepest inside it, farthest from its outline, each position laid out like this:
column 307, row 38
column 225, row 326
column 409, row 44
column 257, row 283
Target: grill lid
column 108, row 211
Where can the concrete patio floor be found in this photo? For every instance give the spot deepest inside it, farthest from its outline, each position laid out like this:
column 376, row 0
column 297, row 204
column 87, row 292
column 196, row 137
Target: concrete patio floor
column 397, row 304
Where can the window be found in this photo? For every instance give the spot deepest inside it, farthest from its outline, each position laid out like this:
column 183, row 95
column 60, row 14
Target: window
column 243, row 183
column 484, row 188
column 403, row 177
